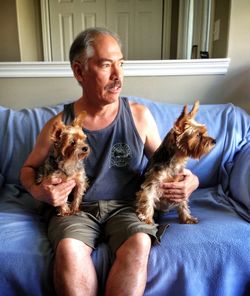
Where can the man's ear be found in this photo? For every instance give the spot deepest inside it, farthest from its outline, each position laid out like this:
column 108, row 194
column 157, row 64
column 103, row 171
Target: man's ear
column 78, row 70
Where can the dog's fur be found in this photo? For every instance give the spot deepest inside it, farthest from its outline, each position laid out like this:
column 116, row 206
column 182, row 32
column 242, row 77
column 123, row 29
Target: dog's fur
column 69, row 148
column 187, row 138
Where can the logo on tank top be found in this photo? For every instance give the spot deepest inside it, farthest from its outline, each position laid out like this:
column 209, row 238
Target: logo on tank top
column 120, row 155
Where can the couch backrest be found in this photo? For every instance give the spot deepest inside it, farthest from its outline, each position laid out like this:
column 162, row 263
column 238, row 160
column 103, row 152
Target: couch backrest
column 227, row 123
column 18, row 132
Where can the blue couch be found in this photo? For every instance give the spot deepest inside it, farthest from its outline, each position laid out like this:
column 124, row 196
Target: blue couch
column 210, row 258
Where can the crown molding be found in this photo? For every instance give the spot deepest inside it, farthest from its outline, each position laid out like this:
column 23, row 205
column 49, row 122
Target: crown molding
column 131, row 68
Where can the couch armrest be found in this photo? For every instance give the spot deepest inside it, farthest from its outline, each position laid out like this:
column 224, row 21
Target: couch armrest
column 240, row 182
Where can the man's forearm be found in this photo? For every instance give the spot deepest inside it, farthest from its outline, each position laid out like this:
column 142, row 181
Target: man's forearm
column 27, row 178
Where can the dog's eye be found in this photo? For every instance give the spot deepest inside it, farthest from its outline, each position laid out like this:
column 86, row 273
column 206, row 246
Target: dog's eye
column 73, row 142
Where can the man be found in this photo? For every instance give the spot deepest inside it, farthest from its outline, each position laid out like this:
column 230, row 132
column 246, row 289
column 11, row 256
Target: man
column 121, row 135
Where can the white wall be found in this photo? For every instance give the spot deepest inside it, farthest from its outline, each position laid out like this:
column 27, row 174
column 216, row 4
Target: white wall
column 232, row 87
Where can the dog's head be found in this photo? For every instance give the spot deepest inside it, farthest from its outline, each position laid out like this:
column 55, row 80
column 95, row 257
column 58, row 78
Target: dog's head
column 191, row 137
column 69, row 141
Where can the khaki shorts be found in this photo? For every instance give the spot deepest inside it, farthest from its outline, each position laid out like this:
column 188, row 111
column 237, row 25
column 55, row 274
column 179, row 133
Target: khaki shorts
column 110, row 221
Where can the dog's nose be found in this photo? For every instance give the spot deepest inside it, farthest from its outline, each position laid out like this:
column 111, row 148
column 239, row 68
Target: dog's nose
column 85, row 149
column 214, row 141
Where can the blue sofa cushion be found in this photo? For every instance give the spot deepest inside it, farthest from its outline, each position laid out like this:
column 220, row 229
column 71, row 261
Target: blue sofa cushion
column 240, row 183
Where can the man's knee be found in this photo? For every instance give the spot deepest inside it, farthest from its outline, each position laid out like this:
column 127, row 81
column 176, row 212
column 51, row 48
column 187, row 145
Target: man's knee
column 72, row 250
column 138, row 245
column 74, row 272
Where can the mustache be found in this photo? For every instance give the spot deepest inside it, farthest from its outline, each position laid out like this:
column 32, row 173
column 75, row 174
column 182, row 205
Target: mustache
column 115, row 83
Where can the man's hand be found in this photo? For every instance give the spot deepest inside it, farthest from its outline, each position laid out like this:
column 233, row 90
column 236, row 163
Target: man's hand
column 179, row 191
column 54, row 191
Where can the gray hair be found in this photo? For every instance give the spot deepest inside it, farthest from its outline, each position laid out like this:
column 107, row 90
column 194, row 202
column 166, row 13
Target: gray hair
column 82, row 46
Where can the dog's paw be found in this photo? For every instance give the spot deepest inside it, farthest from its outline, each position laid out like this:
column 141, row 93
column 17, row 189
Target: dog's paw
column 149, row 221
column 189, row 220
column 145, row 219
column 63, row 211
column 141, row 216
column 74, row 211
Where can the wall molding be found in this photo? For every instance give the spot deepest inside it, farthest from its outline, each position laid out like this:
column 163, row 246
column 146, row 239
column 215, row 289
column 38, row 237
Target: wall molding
column 131, row 68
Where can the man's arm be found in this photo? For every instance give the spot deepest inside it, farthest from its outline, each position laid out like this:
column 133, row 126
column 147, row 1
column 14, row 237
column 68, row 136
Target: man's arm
column 146, row 127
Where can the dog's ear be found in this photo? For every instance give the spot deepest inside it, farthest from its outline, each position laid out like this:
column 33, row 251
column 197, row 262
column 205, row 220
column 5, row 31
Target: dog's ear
column 191, row 114
column 194, row 110
column 185, row 116
column 183, row 113
column 78, row 121
column 179, row 124
column 56, row 131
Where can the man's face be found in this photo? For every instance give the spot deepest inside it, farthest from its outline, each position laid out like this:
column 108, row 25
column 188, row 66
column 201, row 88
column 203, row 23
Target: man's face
column 102, row 80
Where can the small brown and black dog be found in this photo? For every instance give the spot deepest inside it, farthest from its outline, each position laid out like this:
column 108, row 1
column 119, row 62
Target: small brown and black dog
column 69, row 148
column 187, row 138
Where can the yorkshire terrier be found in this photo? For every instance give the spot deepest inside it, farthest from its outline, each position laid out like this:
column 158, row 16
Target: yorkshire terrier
column 187, row 138
column 69, row 149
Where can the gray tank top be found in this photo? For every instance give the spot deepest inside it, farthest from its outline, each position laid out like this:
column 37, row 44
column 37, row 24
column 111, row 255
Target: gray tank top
column 116, row 161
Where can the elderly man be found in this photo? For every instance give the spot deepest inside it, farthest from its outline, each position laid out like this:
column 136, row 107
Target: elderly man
column 122, row 136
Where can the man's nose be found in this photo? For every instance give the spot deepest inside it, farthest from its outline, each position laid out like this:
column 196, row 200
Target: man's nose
column 117, row 72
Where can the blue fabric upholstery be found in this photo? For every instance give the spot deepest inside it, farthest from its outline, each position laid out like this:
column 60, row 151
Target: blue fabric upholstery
column 210, row 258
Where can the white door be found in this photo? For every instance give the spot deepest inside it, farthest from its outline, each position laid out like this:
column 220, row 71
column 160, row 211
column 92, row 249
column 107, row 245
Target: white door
column 68, row 18
column 138, row 23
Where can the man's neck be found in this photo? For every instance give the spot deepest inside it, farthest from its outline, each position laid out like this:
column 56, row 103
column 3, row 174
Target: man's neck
column 98, row 116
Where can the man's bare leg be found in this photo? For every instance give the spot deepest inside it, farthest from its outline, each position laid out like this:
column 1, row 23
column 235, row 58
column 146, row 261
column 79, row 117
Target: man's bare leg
column 128, row 275
column 74, row 272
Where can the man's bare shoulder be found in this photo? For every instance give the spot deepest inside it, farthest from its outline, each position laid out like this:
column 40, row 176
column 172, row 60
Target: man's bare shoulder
column 43, row 139
column 51, row 122
column 146, row 126
column 54, row 119
column 140, row 111
column 137, row 105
